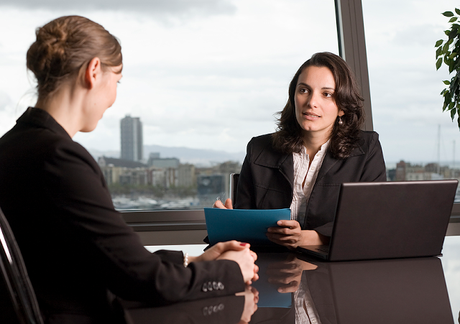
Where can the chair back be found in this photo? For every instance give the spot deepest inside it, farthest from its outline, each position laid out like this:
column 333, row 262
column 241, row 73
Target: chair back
column 23, row 306
column 233, row 186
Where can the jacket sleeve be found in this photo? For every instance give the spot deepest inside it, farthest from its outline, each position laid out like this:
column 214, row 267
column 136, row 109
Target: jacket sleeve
column 245, row 190
column 78, row 189
column 374, row 169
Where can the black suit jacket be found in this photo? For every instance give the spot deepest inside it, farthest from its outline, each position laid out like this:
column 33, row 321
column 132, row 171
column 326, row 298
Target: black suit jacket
column 75, row 244
column 267, row 177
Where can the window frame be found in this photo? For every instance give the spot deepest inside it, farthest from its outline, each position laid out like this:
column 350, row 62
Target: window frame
column 189, row 226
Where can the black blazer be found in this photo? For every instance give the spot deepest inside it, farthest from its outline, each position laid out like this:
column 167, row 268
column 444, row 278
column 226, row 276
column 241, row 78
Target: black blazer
column 75, row 244
column 267, row 177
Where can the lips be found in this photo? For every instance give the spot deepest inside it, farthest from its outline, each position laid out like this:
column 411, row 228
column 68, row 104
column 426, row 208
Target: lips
column 310, row 116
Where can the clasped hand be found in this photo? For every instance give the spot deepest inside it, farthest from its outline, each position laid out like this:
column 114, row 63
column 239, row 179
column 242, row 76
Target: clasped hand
column 235, row 251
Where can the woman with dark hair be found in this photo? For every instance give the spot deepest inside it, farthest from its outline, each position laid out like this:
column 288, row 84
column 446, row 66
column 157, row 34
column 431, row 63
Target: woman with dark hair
column 76, row 246
column 318, row 146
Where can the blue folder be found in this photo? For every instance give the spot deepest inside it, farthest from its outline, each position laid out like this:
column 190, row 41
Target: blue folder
column 246, row 225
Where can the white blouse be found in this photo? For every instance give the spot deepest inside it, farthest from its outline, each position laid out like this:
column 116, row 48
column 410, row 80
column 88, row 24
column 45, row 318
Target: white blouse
column 303, row 173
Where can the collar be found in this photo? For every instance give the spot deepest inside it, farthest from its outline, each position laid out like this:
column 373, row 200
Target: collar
column 270, row 158
column 40, row 118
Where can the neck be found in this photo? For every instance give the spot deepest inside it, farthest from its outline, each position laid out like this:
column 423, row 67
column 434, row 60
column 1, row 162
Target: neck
column 313, row 143
column 64, row 106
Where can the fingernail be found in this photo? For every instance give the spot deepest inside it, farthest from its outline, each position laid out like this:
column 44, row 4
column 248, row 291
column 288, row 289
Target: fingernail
column 243, row 244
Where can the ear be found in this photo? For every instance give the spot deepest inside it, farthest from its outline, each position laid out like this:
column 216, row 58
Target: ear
column 341, row 113
column 92, row 72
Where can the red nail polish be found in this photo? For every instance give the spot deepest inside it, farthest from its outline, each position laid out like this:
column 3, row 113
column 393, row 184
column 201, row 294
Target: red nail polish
column 243, row 244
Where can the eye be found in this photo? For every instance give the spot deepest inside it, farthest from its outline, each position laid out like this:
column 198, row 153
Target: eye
column 328, row 94
column 303, row 90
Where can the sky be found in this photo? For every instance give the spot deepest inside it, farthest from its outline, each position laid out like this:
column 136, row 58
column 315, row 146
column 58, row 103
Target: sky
column 211, row 74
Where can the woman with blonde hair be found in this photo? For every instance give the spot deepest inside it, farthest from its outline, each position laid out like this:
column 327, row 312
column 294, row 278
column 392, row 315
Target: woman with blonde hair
column 75, row 245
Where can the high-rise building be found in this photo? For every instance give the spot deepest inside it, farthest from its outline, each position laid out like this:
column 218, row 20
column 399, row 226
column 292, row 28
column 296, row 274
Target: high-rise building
column 131, row 138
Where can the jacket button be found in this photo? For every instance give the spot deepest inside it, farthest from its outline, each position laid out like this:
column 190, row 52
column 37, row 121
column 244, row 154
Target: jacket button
column 214, row 285
column 204, row 288
column 220, row 286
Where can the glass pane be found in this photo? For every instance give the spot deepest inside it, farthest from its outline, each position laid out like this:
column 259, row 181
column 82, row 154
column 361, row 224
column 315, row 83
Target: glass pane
column 420, row 141
column 203, row 77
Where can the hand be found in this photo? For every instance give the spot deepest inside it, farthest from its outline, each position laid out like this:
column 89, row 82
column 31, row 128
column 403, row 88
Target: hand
column 219, row 204
column 251, row 298
column 289, row 233
column 246, row 260
column 215, row 251
column 288, row 274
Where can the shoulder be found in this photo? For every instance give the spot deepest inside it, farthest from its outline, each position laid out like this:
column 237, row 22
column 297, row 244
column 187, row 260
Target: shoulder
column 262, row 140
column 368, row 140
column 261, row 144
column 368, row 135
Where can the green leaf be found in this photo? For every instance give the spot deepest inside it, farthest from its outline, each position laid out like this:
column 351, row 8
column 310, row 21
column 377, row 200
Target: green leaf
column 452, row 19
column 438, row 52
column 457, row 11
column 445, row 47
column 438, row 63
column 446, row 82
column 447, row 98
column 452, row 114
column 438, row 43
column 448, row 13
column 453, row 33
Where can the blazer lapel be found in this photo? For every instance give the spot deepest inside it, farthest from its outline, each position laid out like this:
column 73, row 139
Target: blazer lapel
column 283, row 162
column 329, row 162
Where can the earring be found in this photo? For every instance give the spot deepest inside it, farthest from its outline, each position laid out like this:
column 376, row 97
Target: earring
column 340, row 120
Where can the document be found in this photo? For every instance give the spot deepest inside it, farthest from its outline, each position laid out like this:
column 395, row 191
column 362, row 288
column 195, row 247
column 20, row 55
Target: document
column 246, row 225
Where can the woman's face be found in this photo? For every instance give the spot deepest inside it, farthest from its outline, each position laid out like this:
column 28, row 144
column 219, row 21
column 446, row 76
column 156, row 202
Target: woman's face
column 315, row 107
column 105, row 96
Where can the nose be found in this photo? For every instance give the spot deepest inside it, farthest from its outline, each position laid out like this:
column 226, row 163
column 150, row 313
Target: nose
column 313, row 99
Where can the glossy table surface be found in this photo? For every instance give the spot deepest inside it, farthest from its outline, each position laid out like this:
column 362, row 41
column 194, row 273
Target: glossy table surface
column 415, row 290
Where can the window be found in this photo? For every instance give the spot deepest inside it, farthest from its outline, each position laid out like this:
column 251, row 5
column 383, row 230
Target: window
column 203, row 77
column 420, row 141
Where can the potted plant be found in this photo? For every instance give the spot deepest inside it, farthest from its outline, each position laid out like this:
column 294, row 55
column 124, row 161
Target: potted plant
column 448, row 52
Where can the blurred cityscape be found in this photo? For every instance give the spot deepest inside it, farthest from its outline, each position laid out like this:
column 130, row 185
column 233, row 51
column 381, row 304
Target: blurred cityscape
column 166, row 183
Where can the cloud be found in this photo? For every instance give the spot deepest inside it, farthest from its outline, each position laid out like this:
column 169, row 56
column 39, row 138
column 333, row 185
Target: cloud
column 5, row 101
column 163, row 9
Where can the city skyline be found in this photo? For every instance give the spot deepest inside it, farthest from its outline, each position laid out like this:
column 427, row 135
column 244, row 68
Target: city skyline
column 131, row 139
column 213, row 74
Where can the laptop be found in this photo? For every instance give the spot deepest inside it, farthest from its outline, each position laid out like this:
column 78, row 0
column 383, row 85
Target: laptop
column 382, row 220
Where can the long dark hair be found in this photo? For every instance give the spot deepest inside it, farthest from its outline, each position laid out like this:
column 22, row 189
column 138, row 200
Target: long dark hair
column 344, row 138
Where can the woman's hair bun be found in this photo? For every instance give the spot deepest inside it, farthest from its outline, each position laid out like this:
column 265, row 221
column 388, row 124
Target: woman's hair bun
column 64, row 45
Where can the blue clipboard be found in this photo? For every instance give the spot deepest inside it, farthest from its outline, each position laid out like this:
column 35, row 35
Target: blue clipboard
column 246, row 225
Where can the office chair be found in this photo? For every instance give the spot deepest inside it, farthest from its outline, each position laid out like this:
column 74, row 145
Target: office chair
column 233, row 186
column 18, row 303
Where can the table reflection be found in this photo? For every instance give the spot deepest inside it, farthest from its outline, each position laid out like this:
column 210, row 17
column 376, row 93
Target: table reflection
column 385, row 291
column 296, row 289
